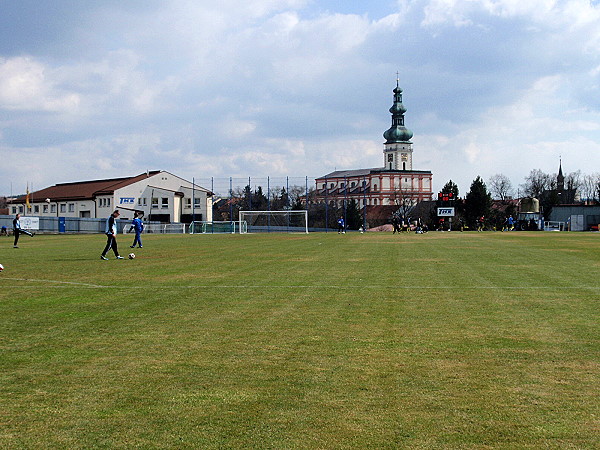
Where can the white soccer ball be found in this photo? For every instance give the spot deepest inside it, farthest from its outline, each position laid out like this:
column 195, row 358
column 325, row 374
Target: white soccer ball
column 131, row 255
column 1, row 267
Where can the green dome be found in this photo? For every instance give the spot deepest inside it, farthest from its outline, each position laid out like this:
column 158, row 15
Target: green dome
column 397, row 108
column 397, row 133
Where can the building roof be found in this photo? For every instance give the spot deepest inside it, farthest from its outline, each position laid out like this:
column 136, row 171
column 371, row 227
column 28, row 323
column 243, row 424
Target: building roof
column 82, row 190
column 366, row 172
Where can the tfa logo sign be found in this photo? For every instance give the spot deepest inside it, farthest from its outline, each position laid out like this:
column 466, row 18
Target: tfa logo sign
column 445, row 212
column 126, row 201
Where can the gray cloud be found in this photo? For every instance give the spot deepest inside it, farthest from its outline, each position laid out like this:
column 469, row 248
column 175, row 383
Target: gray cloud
column 294, row 87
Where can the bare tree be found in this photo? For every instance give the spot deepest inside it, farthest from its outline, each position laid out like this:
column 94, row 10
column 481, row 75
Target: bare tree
column 403, row 200
column 573, row 183
column 590, row 187
column 501, row 187
column 537, row 182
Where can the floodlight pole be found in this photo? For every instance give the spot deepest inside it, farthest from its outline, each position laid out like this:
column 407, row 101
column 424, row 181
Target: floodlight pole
column 345, row 202
column 364, row 203
column 326, row 205
column 193, row 203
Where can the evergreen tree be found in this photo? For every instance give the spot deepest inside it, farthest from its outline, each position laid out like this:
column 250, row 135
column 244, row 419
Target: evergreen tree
column 478, row 202
column 354, row 218
column 449, row 187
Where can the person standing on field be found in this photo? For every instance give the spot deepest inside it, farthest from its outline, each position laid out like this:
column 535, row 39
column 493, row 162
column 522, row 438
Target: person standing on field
column 17, row 230
column 111, row 234
column 341, row 226
column 138, row 226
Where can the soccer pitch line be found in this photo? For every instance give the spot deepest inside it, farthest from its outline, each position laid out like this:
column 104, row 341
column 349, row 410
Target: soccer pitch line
column 65, row 284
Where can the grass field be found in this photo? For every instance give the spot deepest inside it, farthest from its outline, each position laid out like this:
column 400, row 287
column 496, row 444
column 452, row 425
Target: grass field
column 443, row 340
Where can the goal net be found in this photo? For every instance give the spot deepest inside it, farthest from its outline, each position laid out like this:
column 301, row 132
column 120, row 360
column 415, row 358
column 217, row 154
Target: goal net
column 161, row 228
column 292, row 221
column 198, row 227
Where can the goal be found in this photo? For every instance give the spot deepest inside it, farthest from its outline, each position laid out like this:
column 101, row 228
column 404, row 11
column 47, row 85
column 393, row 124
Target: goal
column 291, row 221
column 204, row 227
column 160, row 228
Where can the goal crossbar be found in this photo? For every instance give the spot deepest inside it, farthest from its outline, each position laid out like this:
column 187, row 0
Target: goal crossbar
column 289, row 221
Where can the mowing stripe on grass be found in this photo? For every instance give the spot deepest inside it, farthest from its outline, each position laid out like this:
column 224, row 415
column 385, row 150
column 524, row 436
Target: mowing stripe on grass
column 65, row 284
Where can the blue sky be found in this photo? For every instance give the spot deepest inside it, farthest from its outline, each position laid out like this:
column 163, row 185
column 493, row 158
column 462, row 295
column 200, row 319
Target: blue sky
column 295, row 87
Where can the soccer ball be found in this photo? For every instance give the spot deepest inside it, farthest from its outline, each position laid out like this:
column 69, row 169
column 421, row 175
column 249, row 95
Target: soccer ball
column 131, row 255
column 1, row 267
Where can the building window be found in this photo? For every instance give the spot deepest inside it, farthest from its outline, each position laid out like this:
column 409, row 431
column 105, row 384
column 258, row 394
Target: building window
column 14, row 209
column 332, row 186
column 352, row 184
column 108, row 202
column 188, row 202
column 324, row 185
column 375, row 202
column 154, row 202
column 45, row 209
column 375, row 188
column 165, row 202
column 53, row 208
column 71, row 207
column 197, row 202
column 63, row 207
column 36, row 209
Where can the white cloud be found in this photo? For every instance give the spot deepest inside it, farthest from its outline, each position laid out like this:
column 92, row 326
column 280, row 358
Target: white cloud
column 284, row 87
column 26, row 84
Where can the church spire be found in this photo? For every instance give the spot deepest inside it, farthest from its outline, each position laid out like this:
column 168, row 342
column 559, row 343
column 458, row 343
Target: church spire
column 560, row 179
column 397, row 152
column 398, row 132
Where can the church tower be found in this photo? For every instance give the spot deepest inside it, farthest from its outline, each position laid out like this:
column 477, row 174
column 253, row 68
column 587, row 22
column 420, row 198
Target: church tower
column 560, row 178
column 397, row 151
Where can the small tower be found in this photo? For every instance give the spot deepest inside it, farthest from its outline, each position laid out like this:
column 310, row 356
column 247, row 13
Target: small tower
column 560, row 179
column 397, row 151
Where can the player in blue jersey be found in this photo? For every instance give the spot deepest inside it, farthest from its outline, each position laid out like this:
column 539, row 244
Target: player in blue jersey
column 17, row 230
column 111, row 234
column 341, row 226
column 138, row 226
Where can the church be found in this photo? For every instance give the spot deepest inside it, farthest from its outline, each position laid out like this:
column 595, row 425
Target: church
column 394, row 184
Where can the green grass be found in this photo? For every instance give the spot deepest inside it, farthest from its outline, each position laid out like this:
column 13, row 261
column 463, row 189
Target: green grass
column 444, row 340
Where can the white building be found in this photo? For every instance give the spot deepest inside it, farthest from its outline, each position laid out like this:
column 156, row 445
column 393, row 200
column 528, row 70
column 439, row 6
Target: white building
column 160, row 195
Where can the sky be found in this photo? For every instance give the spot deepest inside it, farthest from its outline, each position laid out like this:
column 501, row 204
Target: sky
column 112, row 88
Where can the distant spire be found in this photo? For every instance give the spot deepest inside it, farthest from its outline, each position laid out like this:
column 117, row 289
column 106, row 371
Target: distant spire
column 560, row 179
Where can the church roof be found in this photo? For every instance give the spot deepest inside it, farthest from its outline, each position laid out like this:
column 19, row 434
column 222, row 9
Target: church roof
column 366, row 172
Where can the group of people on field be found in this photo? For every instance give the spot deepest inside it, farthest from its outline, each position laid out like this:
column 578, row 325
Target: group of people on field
column 110, row 231
column 399, row 225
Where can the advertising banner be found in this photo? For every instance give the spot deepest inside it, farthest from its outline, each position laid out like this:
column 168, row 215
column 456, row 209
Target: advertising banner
column 445, row 212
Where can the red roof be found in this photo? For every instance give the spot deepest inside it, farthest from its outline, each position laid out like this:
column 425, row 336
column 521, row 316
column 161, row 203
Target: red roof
column 82, row 190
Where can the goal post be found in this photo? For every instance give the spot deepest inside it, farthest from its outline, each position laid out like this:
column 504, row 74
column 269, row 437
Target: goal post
column 290, row 221
column 160, row 228
column 213, row 227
